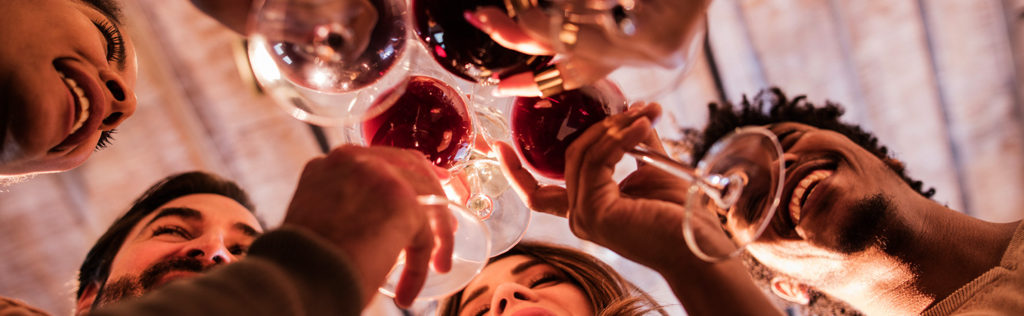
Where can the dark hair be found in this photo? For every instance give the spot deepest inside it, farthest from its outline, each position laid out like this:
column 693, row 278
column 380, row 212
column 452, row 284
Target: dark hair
column 96, row 267
column 608, row 292
column 723, row 119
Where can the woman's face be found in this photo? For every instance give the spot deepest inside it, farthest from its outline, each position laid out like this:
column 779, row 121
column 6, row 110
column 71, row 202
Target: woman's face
column 67, row 74
column 523, row 286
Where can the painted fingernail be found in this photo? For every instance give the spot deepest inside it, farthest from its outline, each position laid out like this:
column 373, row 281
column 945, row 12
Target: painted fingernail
column 470, row 17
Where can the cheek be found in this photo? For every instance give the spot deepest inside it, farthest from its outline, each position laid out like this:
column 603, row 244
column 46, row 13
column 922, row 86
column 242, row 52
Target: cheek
column 571, row 299
column 132, row 260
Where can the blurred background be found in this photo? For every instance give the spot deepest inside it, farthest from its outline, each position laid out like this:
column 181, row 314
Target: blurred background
column 938, row 81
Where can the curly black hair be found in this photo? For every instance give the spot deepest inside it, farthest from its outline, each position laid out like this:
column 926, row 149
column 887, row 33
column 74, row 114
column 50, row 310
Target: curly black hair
column 723, row 119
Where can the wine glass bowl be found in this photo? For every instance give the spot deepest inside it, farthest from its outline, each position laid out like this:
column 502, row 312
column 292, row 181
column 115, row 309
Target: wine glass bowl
column 461, row 48
column 429, row 116
column 739, row 192
column 471, row 249
column 326, row 61
column 543, row 128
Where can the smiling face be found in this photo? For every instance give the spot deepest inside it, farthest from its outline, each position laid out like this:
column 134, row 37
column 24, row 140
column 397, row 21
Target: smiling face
column 182, row 238
column 839, row 203
column 523, row 286
column 67, row 73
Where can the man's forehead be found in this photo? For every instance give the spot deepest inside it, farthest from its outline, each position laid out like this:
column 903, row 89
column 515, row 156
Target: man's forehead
column 207, row 206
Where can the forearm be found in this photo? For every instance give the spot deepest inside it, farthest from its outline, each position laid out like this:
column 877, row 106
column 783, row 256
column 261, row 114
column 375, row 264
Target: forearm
column 286, row 273
column 723, row 288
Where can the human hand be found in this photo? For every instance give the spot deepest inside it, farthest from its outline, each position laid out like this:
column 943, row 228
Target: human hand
column 364, row 200
column 233, row 14
column 652, row 32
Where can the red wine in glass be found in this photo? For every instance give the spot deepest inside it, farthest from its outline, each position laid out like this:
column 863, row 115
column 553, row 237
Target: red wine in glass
column 543, row 128
column 461, row 48
column 430, row 116
column 317, row 59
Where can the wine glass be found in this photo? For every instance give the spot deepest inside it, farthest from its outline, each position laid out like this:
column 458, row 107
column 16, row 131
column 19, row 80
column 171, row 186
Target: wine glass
column 469, row 254
column 461, row 48
column 734, row 190
column 482, row 187
column 327, row 61
column 437, row 119
column 340, row 62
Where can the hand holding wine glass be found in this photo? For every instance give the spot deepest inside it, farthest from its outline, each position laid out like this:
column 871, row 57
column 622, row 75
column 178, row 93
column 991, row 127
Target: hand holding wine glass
column 339, row 198
column 595, row 36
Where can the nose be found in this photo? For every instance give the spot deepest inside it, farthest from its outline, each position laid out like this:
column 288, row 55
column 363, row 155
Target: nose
column 210, row 251
column 122, row 99
column 509, row 294
column 790, row 159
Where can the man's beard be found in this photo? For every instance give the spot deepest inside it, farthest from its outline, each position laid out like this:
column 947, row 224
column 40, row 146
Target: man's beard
column 136, row 285
column 866, row 224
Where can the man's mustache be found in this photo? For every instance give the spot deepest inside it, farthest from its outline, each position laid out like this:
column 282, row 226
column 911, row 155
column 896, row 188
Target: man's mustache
column 153, row 274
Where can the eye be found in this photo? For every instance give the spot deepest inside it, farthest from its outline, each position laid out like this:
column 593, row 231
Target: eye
column 106, row 137
column 175, row 231
column 788, row 138
column 546, row 279
column 482, row 310
column 238, row 250
column 115, row 42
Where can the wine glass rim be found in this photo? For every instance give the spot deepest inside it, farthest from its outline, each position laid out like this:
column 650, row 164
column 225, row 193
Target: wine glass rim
column 689, row 236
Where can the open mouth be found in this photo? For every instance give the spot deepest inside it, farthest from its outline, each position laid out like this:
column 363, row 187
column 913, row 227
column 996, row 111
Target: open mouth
column 84, row 93
column 803, row 184
column 81, row 102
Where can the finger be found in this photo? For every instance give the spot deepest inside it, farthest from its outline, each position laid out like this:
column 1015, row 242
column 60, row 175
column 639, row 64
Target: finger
column 417, row 258
column 653, row 141
column 518, row 85
column 543, row 198
column 579, row 71
column 442, row 222
column 505, row 31
column 597, row 165
column 580, row 146
column 575, row 73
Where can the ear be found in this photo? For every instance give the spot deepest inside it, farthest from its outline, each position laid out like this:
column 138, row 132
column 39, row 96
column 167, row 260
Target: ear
column 790, row 290
column 84, row 303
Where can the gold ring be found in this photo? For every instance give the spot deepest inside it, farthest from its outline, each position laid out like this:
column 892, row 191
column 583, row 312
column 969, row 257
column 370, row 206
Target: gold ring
column 549, row 81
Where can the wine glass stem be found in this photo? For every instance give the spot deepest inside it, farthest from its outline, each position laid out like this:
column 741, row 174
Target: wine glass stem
column 712, row 185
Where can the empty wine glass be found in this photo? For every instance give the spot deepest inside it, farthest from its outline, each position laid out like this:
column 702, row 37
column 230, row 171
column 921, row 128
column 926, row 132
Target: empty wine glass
column 470, row 252
column 327, row 61
column 484, row 190
column 734, row 190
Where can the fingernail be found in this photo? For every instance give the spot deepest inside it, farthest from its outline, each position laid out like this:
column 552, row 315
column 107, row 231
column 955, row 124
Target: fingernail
column 470, row 17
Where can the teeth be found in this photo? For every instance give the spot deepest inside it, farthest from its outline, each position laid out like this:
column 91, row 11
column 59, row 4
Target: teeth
column 801, row 188
column 82, row 100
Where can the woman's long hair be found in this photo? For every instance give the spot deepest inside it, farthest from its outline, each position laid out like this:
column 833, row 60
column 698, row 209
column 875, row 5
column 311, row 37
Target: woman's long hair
column 608, row 292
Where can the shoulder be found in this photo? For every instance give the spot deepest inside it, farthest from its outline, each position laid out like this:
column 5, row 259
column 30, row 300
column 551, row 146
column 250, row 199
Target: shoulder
column 13, row 307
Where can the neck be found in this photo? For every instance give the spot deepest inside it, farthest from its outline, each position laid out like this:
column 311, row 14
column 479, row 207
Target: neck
column 929, row 251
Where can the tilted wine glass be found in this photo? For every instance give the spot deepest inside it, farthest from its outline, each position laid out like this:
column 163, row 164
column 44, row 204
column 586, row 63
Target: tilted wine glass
column 734, row 190
column 436, row 118
column 327, row 61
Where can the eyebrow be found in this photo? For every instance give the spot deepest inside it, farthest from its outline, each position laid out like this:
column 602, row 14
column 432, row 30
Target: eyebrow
column 108, row 8
column 193, row 214
column 516, row 270
column 183, row 212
